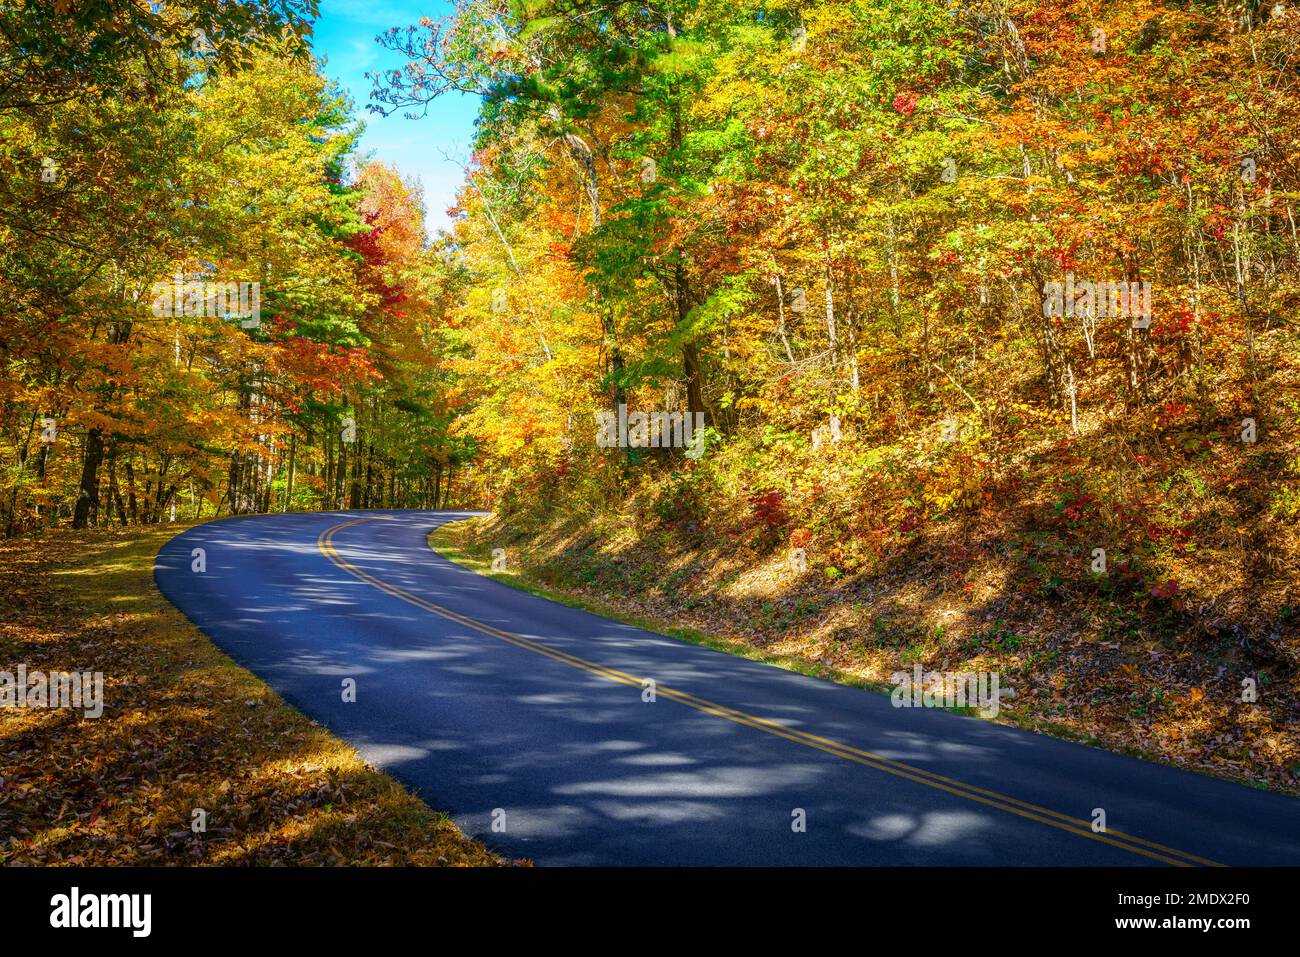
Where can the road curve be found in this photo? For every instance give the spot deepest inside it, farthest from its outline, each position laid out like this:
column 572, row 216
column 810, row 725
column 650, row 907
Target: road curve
column 526, row 720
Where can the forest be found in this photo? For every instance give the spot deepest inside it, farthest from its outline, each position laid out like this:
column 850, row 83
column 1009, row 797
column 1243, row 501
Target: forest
column 993, row 296
column 161, row 148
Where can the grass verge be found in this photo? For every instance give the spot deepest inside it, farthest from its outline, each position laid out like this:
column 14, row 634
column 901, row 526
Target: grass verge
column 183, row 728
column 453, row 542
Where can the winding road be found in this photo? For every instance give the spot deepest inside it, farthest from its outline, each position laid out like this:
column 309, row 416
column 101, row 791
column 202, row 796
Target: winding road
column 527, row 721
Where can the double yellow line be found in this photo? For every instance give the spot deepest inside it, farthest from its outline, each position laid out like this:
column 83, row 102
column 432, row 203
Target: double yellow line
column 1064, row 822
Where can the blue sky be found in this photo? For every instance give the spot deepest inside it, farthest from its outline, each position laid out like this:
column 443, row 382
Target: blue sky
column 345, row 36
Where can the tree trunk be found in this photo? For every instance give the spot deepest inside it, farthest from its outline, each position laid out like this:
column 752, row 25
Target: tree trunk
column 88, row 490
column 293, row 469
column 130, row 491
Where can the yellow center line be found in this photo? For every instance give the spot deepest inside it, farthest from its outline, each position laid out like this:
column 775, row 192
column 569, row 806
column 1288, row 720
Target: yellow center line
column 1077, row 826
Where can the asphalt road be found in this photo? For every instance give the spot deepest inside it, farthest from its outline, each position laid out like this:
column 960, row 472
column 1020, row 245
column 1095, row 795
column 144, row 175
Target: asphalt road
column 526, row 720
